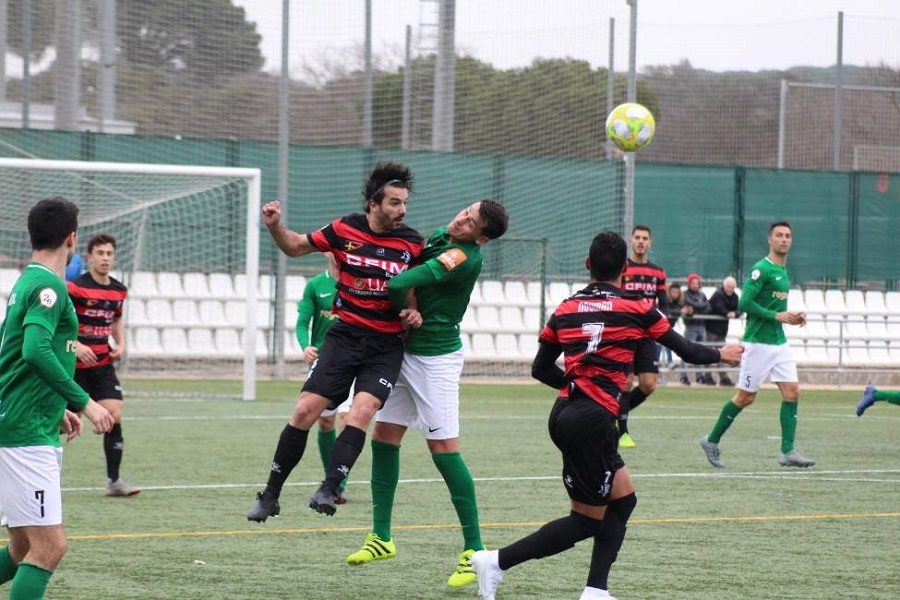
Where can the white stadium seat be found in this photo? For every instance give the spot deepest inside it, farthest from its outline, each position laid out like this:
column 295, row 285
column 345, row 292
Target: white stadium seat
column 174, row 340
column 200, row 341
column 184, row 312
column 507, row 346
column 146, row 341
column 135, row 313
column 892, row 303
column 221, row 286
column 875, row 303
column 855, row 328
column 8, row 277
column 196, row 286
column 815, row 302
column 492, row 292
column 835, row 303
column 488, row 318
column 212, row 313
column 159, row 311
column 533, row 290
column 515, row 293
column 528, row 345
column 228, row 343
column 856, row 302
column 879, row 352
column 293, row 287
column 796, row 302
column 877, row 328
column 475, row 299
column 511, row 319
column 556, row 293
column 267, row 287
column 170, row 285
column 469, row 323
column 235, row 312
column 483, row 346
column 142, row 284
column 531, row 319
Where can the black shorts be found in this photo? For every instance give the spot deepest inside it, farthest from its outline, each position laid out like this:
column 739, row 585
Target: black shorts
column 101, row 383
column 351, row 353
column 587, row 436
column 646, row 356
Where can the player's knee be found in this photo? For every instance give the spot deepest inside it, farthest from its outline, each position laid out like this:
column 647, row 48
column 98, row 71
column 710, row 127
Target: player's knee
column 623, row 507
column 326, row 424
column 648, row 387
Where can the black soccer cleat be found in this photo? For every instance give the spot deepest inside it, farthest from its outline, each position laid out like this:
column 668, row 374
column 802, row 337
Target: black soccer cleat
column 266, row 506
column 324, row 500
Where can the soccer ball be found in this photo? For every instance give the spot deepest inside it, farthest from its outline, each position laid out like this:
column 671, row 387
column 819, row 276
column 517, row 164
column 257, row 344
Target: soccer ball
column 630, row 126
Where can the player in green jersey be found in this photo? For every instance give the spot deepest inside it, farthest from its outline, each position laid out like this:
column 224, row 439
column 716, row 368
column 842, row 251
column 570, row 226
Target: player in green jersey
column 37, row 362
column 426, row 395
column 315, row 308
column 767, row 352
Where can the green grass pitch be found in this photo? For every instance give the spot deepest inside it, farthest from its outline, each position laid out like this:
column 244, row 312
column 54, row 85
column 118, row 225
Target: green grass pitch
column 752, row 530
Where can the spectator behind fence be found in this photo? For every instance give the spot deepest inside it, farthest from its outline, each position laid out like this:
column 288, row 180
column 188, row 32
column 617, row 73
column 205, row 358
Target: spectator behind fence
column 696, row 303
column 724, row 303
column 673, row 312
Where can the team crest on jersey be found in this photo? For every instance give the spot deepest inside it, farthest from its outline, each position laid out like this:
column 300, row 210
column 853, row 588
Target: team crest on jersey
column 350, row 246
column 47, row 297
column 452, row 258
column 755, row 274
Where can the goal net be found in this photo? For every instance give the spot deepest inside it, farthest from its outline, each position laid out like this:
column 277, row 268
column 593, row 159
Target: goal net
column 187, row 248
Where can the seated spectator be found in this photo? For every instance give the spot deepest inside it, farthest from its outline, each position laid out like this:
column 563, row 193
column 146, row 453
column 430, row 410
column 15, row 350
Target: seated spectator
column 724, row 303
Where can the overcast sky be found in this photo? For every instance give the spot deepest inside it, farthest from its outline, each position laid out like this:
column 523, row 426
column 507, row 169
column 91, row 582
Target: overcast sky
column 717, row 35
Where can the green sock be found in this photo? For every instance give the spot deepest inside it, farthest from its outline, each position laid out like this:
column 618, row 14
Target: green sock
column 30, row 582
column 385, row 475
column 788, row 416
column 7, row 566
column 729, row 413
column 462, row 493
column 326, row 443
column 891, row 397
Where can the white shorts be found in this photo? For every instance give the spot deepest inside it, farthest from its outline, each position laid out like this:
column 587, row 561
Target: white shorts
column 761, row 360
column 30, row 493
column 343, row 407
column 426, row 395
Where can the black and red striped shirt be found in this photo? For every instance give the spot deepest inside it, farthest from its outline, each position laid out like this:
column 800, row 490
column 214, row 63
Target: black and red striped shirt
column 648, row 279
column 367, row 261
column 97, row 307
column 597, row 330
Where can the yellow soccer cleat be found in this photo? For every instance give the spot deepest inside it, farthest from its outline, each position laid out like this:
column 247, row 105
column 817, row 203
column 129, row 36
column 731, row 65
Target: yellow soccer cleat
column 464, row 574
column 374, row 548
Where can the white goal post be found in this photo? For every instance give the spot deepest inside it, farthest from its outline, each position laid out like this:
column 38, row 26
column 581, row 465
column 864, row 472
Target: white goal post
column 167, row 218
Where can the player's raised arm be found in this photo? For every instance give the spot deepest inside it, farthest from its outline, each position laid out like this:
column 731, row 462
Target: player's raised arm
column 289, row 242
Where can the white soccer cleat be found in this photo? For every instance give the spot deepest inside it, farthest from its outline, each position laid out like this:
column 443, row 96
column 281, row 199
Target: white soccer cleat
column 592, row 593
column 485, row 563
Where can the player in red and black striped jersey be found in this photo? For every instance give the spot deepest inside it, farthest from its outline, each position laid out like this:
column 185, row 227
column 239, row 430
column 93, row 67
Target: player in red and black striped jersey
column 597, row 330
column 99, row 299
column 364, row 346
column 649, row 280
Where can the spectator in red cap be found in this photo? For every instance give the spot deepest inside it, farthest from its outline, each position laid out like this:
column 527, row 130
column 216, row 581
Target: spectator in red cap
column 696, row 303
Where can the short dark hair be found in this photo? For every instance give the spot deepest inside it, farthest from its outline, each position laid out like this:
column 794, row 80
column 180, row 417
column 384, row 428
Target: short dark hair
column 640, row 228
column 607, row 255
column 779, row 224
column 101, row 239
column 50, row 222
column 383, row 175
column 495, row 218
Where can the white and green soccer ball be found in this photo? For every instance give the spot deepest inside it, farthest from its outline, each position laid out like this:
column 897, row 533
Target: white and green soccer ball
column 630, row 126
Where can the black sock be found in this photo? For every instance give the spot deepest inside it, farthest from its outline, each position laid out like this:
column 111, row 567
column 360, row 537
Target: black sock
column 113, row 445
column 636, row 398
column 288, row 453
column 624, row 407
column 346, row 450
column 553, row 538
column 608, row 542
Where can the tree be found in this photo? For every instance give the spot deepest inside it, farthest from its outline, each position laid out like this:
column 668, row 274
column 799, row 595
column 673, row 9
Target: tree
column 203, row 40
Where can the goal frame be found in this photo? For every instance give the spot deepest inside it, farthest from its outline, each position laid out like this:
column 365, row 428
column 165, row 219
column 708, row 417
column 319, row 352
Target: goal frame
column 253, row 178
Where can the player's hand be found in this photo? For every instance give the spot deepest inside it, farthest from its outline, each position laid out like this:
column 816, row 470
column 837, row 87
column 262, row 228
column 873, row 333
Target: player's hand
column 411, row 318
column 71, row 425
column 791, row 318
column 101, row 418
column 310, row 354
column 271, row 213
column 731, row 354
column 85, row 355
column 116, row 354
